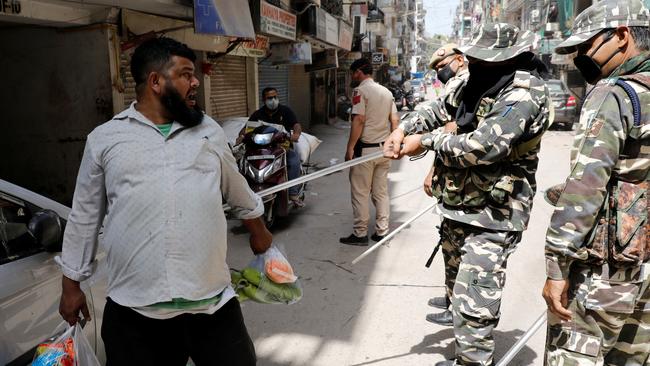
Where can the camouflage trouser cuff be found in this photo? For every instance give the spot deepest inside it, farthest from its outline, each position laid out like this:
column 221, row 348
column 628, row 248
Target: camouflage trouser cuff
column 556, row 270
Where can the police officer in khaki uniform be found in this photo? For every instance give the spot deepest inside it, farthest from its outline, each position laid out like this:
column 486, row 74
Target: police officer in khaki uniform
column 374, row 117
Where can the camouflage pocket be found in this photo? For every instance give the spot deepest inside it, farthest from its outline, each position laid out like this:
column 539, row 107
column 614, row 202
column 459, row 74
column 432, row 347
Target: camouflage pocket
column 454, row 180
column 631, row 245
column 477, row 189
column 597, row 249
column 572, row 341
column 502, row 189
column 484, row 295
column 612, row 296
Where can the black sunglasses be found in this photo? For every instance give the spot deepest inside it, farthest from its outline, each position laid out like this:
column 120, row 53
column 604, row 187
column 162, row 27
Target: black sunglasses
column 584, row 47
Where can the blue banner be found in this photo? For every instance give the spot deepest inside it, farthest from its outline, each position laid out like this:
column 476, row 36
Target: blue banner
column 231, row 18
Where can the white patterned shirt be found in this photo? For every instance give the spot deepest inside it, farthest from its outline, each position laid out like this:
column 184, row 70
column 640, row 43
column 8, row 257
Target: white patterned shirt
column 160, row 202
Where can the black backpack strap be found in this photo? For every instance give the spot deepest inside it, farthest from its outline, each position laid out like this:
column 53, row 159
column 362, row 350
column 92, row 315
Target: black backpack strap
column 634, row 98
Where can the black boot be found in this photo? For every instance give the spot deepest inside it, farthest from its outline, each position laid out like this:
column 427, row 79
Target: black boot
column 445, row 318
column 439, row 302
column 355, row 240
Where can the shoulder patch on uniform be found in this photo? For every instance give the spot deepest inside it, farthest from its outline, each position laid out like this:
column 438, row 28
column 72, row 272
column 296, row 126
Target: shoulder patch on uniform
column 356, row 97
column 595, row 127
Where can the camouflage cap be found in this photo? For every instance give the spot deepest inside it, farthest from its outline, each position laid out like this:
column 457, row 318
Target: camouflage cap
column 604, row 15
column 442, row 53
column 496, row 42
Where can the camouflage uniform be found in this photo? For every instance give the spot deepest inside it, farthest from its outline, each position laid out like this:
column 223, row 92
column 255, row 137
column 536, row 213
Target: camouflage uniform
column 610, row 301
column 429, row 117
column 485, row 186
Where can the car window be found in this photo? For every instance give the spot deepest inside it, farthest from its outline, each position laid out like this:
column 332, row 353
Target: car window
column 16, row 241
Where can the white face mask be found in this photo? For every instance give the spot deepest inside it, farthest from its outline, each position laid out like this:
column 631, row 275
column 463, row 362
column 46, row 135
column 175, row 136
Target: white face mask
column 272, row 103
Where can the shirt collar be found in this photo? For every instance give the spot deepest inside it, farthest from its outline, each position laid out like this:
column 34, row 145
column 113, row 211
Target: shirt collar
column 133, row 114
column 634, row 65
column 368, row 80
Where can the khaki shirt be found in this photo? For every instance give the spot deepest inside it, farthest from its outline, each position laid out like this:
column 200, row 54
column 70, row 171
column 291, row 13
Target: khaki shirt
column 376, row 103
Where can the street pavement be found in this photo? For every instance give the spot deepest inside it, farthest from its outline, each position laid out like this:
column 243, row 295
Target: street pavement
column 373, row 313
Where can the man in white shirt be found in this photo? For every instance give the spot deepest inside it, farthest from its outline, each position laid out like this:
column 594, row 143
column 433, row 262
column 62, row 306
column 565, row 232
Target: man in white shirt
column 154, row 177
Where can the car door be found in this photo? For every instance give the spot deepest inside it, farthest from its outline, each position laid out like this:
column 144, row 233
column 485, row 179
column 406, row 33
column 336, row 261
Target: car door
column 31, row 285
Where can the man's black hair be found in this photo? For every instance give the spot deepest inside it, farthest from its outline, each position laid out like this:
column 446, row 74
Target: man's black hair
column 362, row 64
column 641, row 37
column 154, row 55
column 268, row 89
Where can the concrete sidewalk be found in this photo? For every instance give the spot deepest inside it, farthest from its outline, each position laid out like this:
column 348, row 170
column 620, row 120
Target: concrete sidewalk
column 373, row 313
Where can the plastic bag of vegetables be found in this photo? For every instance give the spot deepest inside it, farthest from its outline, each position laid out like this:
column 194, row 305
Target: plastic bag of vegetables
column 268, row 279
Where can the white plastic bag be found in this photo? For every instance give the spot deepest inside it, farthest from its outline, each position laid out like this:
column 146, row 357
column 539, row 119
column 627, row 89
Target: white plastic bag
column 306, row 145
column 252, row 283
column 67, row 347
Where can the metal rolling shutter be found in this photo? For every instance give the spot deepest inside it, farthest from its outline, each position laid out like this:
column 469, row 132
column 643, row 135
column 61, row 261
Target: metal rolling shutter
column 228, row 87
column 277, row 77
column 127, row 79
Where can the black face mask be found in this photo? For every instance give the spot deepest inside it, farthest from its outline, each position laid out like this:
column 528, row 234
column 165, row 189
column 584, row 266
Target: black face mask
column 180, row 112
column 588, row 67
column 354, row 83
column 446, row 73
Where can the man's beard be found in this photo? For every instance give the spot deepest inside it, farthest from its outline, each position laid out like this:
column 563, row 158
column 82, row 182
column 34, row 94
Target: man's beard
column 178, row 109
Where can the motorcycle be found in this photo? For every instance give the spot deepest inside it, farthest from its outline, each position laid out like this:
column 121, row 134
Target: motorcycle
column 344, row 108
column 410, row 100
column 398, row 96
column 264, row 164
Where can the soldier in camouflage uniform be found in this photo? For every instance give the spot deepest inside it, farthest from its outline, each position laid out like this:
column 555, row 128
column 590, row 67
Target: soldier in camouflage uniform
column 451, row 69
column 486, row 180
column 597, row 250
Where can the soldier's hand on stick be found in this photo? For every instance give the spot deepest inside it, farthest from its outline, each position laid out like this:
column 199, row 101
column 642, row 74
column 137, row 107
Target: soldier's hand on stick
column 392, row 144
column 411, row 146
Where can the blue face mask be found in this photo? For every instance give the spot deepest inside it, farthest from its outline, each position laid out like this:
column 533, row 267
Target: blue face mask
column 272, row 103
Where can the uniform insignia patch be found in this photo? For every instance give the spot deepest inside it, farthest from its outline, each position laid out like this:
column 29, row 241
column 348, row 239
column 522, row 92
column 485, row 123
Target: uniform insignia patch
column 356, row 97
column 596, row 126
column 441, row 52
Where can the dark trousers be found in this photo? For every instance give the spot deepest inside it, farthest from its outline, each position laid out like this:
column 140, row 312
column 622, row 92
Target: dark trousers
column 131, row 338
column 293, row 170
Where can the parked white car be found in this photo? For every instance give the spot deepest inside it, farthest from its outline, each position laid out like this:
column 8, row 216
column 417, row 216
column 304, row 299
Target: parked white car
column 31, row 231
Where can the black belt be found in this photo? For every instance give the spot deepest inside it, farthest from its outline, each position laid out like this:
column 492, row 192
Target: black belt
column 361, row 145
column 365, row 145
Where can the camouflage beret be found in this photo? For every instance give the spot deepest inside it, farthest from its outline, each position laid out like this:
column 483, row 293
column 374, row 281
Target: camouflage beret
column 604, row 14
column 442, row 53
column 496, row 42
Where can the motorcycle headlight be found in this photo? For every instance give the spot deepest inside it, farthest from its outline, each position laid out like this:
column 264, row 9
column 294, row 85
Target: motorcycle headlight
column 262, row 138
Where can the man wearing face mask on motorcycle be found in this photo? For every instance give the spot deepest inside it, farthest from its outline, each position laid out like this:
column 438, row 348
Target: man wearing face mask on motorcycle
column 597, row 251
column 280, row 114
column 485, row 179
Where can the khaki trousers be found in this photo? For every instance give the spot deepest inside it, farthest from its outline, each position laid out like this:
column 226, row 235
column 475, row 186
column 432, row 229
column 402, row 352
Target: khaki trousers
column 369, row 180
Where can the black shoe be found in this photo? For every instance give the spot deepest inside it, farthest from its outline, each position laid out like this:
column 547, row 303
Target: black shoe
column 439, row 302
column 355, row 240
column 445, row 318
column 376, row 237
column 446, row 363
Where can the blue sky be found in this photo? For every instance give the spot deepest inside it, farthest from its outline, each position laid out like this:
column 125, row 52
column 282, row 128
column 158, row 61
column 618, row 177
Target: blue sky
column 440, row 15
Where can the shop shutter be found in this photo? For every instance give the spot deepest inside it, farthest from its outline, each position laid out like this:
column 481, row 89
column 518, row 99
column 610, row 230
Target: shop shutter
column 228, row 87
column 274, row 76
column 127, row 79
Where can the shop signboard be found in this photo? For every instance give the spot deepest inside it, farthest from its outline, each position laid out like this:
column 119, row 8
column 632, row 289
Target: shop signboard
column 223, row 18
column 298, row 53
column 345, row 36
column 277, row 22
column 257, row 48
